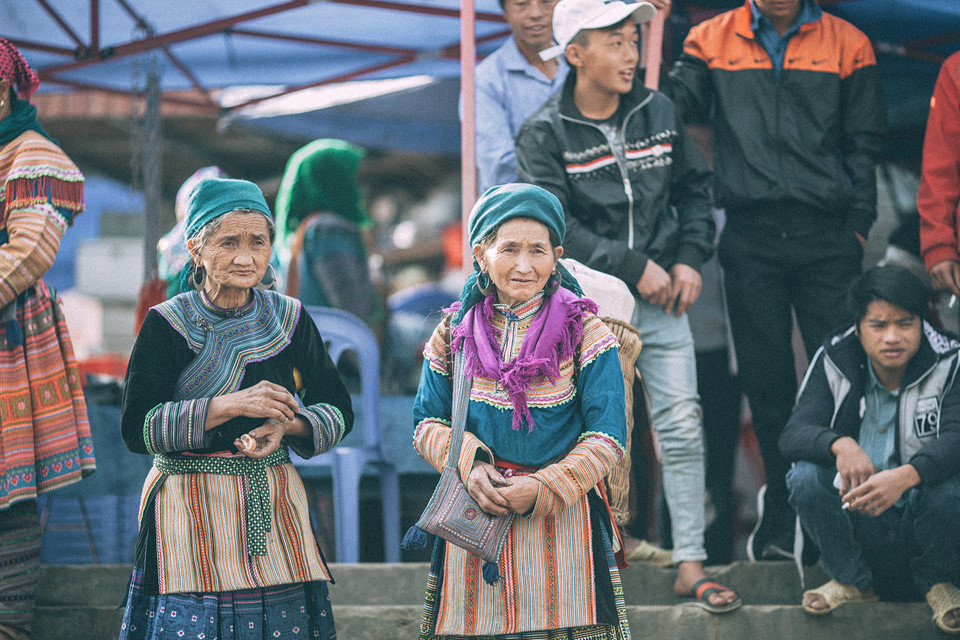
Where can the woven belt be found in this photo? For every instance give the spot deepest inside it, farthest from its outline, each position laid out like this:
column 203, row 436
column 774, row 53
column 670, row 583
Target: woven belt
column 256, row 488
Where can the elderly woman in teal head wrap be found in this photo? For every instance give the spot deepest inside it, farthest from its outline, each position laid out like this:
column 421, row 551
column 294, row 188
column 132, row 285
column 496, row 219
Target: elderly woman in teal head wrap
column 321, row 221
column 222, row 380
column 545, row 424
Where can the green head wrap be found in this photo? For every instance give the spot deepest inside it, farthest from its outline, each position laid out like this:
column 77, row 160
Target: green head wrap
column 212, row 198
column 518, row 200
column 502, row 203
column 320, row 177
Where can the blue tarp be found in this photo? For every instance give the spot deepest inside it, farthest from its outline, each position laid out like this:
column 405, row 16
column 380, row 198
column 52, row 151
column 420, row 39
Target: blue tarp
column 222, row 43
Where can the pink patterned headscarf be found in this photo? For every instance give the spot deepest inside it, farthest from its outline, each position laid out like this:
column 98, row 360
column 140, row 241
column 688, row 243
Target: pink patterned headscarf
column 15, row 69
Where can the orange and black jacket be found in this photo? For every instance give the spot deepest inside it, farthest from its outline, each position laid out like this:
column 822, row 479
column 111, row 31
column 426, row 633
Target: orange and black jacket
column 803, row 147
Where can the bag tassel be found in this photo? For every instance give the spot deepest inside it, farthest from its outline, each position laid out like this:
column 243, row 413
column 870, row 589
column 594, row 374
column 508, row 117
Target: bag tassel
column 14, row 333
column 491, row 573
column 415, row 539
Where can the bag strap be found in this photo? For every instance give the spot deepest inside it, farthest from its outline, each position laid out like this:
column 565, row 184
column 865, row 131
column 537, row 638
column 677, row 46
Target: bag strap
column 461, row 399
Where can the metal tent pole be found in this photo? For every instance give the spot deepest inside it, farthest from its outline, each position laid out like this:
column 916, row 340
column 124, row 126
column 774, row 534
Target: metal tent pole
column 152, row 153
column 468, row 170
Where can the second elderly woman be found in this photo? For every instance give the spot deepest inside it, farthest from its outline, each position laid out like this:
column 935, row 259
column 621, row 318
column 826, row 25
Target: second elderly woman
column 545, row 424
column 226, row 549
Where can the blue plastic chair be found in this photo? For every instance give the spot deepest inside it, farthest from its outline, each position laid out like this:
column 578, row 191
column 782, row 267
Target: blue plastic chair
column 344, row 332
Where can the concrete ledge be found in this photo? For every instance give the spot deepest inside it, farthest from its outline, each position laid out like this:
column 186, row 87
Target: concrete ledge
column 383, row 602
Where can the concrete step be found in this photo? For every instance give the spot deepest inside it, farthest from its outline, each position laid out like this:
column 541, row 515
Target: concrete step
column 879, row 621
column 402, row 584
column 383, row 602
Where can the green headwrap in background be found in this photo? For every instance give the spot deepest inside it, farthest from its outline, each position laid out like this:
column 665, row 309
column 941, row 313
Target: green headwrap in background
column 320, row 177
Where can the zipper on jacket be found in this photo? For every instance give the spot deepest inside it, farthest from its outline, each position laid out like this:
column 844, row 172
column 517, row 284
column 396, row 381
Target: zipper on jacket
column 621, row 161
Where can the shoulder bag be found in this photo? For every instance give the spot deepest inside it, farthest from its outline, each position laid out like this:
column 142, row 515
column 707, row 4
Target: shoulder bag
column 451, row 513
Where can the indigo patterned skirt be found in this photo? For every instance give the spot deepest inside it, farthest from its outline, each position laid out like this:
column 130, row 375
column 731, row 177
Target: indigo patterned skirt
column 284, row 612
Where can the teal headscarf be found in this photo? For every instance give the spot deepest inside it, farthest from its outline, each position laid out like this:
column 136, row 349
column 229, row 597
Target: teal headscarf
column 502, row 203
column 212, row 198
column 320, row 177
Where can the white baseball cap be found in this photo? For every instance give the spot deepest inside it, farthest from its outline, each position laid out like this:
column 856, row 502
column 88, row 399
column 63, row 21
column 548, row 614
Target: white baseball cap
column 572, row 16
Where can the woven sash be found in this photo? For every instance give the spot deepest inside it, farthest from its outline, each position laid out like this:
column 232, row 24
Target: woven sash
column 257, row 490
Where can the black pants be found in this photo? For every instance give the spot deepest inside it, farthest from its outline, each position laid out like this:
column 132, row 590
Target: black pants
column 766, row 275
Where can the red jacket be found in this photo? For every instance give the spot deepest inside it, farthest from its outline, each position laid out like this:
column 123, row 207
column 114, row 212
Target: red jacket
column 938, row 199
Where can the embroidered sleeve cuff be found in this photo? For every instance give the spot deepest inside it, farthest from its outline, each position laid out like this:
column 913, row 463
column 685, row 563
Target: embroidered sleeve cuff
column 547, row 503
column 176, row 426
column 579, row 471
column 327, row 425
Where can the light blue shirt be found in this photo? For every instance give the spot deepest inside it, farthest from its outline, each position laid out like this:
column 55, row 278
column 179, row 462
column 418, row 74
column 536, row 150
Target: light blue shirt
column 508, row 91
column 766, row 34
column 878, row 428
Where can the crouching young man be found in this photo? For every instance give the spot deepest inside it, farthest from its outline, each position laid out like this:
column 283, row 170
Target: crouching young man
column 875, row 437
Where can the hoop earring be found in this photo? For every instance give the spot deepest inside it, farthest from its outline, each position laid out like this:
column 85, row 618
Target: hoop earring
column 553, row 284
column 484, row 283
column 269, row 277
column 199, row 273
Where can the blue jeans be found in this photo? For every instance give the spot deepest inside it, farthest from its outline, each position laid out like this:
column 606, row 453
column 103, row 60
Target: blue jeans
column 669, row 371
column 913, row 541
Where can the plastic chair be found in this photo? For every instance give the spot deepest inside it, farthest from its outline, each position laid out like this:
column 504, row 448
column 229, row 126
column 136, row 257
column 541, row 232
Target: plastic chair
column 344, row 332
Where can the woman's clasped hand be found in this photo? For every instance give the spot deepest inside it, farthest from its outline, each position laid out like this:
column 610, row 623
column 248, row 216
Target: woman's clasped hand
column 271, row 401
column 499, row 496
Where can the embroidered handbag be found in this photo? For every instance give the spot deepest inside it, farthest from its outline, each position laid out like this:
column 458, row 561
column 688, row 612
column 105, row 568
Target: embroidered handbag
column 451, row 513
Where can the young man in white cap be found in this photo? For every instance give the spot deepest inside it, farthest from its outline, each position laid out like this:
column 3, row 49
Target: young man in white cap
column 635, row 192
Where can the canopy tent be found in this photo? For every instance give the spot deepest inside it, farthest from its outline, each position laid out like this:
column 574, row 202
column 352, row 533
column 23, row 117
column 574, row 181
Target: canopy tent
column 282, row 47
column 201, row 49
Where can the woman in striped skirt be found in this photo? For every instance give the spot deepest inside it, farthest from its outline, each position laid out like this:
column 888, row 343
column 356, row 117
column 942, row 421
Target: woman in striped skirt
column 222, row 380
column 545, row 424
column 44, row 434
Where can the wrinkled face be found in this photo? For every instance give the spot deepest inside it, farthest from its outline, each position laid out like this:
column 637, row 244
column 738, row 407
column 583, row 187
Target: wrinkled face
column 531, row 22
column 891, row 337
column 520, row 260
column 608, row 63
column 236, row 254
column 779, row 11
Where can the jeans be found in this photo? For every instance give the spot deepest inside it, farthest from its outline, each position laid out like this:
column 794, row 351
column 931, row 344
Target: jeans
column 913, row 543
column 669, row 372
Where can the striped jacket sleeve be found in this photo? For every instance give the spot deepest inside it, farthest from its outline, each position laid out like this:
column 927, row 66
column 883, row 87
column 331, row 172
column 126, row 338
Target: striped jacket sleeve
column 34, row 237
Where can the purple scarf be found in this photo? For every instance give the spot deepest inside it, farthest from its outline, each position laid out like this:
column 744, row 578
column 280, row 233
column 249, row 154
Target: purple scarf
column 552, row 338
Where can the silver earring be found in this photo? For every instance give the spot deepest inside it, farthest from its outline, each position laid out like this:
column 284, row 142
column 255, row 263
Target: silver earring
column 484, row 283
column 269, row 277
column 198, row 275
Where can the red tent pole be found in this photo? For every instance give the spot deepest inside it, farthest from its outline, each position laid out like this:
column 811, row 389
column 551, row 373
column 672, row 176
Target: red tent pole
column 468, row 157
column 654, row 48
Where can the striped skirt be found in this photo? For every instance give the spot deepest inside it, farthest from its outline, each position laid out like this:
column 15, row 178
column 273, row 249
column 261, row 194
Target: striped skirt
column 45, row 438
column 559, row 580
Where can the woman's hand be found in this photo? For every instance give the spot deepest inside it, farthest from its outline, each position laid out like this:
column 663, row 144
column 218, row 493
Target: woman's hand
column 521, row 494
column 265, row 439
column 263, row 400
column 484, row 484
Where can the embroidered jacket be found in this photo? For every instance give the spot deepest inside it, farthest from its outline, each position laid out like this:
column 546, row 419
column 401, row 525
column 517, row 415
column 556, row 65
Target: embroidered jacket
column 578, row 433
